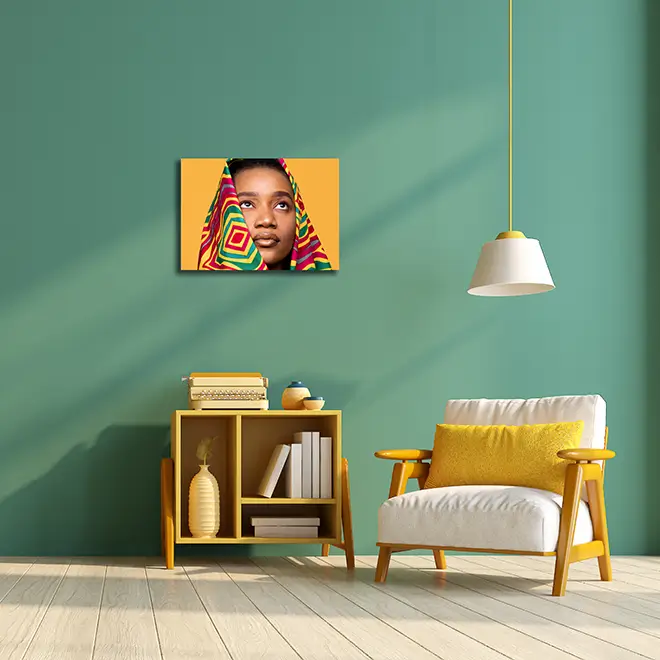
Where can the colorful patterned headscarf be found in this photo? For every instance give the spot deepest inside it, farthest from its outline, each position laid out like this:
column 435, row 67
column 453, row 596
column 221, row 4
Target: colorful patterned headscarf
column 226, row 242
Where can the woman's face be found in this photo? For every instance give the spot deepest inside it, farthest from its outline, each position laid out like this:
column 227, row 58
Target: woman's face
column 266, row 200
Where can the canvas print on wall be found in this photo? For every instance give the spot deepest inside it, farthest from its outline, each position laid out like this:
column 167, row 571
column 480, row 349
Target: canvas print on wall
column 259, row 214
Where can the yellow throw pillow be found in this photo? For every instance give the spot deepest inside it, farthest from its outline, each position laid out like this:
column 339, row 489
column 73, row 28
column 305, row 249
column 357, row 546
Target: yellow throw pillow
column 502, row 455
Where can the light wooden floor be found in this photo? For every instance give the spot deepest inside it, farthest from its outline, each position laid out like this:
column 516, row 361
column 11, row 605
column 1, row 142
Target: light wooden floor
column 481, row 608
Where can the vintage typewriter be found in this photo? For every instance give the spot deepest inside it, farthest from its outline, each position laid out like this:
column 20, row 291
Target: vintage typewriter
column 227, row 391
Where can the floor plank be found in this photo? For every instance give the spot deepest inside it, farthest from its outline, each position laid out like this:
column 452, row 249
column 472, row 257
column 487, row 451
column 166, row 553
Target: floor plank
column 647, row 562
column 69, row 627
column 246, row 632
column 426, row 631
column 585, row 646
column 610, row 639
column 481, row 608
column 185, row 629
column 587, row 573
column 126, row 628
column 309, row 634
column 411, row 587
column 12, row 569
column 588, row 570
column 368, row 633
column 25, row 605
column 611, row 608
column 623, row 600
column 636, row 565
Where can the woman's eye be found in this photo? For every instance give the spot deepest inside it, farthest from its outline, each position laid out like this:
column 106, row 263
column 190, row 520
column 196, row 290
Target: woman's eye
column 245, row 207
column 283, row 205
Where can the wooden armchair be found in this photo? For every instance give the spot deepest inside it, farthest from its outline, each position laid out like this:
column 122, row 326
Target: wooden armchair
column 505, row 519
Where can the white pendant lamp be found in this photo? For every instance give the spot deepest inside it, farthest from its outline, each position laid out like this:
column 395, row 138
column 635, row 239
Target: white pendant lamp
column 512, row 264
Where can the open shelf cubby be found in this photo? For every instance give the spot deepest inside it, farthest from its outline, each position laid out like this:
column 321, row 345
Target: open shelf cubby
column 327, row 530
column 242, row 446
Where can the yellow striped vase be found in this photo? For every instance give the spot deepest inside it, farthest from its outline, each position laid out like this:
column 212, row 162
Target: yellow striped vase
column 204, row 504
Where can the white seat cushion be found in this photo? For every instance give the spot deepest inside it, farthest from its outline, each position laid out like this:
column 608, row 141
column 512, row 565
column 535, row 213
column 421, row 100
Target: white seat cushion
column 479, row 517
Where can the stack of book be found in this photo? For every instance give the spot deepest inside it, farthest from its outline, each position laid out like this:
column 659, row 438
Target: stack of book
column 295, row 527
column 227, row 391
column 305, row 464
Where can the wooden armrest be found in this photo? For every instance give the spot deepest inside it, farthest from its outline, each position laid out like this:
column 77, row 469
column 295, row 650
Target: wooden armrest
column 405, row 454
column 588, row 455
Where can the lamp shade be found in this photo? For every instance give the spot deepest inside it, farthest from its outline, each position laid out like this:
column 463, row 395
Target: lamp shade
column 511, row 265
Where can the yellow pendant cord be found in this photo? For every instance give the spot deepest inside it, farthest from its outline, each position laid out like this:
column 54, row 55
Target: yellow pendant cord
column 510, row 118
column 511, row 233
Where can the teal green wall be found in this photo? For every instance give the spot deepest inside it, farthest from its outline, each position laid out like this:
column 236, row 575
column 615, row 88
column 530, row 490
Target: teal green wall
column 99, row 103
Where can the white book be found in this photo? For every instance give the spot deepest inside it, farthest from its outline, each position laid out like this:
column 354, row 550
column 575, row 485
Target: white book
column 294, row 471
column 305, row 439
column 316, row 472
column 273, row 470
column 273, row 521
column 326, row 467
column 292, row 532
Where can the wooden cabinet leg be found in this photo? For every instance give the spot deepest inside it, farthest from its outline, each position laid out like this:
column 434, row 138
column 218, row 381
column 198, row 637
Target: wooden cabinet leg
column 166, row 510
column 346, row 516
column 162, row 521
column 346, row 521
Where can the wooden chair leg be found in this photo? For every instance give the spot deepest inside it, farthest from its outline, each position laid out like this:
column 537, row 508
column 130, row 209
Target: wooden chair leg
column 383, row 564
column 347, row 516
column 569, row 511
column 598, row 520
column 440, row 561
column 325, row 550
column 167, row 506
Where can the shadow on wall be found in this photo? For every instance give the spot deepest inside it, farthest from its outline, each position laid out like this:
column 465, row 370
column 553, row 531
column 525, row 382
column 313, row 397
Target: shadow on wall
column 104, row 500
column 104, row 497
column 653, row 273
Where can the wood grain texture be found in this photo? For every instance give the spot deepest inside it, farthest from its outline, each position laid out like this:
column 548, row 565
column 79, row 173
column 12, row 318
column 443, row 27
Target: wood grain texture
column 69, row 627
column 480, row 608
column 535, row 625
column 126, row 629
column 25, row 605
column 642, row 585
column 383, row 641
column 185, row 629
column 312, row 637
column 247, row 633
column 11, row 571
column 595, row 638
column 532, row 582
column 423, row 629
column 432, row 594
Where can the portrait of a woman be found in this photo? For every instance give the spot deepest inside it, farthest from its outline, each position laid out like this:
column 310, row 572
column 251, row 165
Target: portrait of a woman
column 258, row 221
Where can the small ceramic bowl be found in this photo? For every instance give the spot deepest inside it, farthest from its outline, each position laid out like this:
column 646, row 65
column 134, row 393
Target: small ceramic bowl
column 313, row 402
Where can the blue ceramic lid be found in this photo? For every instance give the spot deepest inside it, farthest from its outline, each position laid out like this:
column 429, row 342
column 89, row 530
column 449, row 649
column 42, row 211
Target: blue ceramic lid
column 296, row 383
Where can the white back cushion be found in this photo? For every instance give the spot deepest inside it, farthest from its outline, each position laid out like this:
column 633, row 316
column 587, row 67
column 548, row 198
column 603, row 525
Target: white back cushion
column 516, row 412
